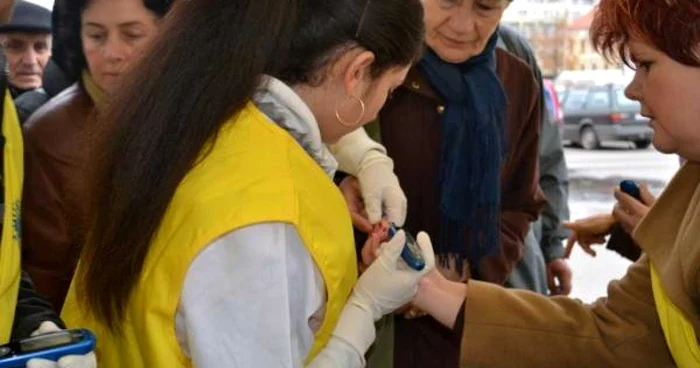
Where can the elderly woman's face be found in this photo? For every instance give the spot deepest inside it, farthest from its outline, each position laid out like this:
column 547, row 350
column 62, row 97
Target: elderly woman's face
column 459, row 29
column 114, row 34
column 669, row 93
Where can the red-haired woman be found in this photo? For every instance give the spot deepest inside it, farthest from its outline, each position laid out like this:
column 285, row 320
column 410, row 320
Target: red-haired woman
column 651, row 317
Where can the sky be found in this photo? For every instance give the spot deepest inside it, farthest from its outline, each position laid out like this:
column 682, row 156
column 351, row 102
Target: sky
column 45, row 3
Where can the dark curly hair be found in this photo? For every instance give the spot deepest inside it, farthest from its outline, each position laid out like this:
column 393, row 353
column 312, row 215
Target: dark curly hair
column 67, row 46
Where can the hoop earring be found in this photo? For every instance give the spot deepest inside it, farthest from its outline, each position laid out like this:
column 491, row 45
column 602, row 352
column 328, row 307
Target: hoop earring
column 359, row 118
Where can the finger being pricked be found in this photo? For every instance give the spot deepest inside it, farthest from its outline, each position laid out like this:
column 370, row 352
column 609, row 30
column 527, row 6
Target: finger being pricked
column 378, row 234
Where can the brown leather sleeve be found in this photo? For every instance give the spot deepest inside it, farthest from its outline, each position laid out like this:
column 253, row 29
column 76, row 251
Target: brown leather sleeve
column 521, row 196
column 54, row 196
column 514, row 328
column 46, row 236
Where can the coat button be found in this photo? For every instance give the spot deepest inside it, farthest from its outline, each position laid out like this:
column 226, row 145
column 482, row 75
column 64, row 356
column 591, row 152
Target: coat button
column 415, row 85
column 440, row 109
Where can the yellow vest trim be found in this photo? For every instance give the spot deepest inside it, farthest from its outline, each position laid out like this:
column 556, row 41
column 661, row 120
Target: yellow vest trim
column 10, row 251
column 678, row 331
column 255, row 172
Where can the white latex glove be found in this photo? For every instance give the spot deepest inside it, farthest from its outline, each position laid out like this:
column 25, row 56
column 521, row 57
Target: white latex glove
column 385, row 286
column 360, row 156
column 68, row 361
column 382, row 193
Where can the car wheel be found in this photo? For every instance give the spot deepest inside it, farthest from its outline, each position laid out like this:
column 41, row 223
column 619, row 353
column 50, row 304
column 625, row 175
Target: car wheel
column 588, row 139
column 642, row 143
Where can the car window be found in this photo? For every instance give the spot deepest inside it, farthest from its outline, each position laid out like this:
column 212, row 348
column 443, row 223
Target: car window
column 624, row 103
column 575, row 99
column 598, row 100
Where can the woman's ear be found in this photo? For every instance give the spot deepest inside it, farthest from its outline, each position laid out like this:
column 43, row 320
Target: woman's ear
column 357, row 72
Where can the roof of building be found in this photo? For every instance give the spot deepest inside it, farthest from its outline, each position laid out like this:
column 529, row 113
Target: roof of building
column 583, row 22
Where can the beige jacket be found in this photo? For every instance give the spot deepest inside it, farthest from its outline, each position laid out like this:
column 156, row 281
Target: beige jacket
column 522, row 329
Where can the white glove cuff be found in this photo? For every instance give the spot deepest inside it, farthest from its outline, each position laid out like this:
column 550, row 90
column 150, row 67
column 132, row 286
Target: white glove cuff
column 375, row 157
column 355, row 327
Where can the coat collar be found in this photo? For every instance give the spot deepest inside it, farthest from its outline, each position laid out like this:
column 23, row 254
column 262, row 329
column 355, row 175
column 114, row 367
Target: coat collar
column 281, row 104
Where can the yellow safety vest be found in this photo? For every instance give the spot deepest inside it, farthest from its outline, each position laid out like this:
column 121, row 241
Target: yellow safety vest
column 13, row 170
column 255, row 173
column 678, row 331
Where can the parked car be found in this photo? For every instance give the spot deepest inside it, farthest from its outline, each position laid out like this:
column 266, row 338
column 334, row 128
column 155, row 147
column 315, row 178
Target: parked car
column 598, row 113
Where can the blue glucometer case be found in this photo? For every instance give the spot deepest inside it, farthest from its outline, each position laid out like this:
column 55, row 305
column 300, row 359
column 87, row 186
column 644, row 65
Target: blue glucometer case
column 50, row 346
column 411, row 253
column 631, row 188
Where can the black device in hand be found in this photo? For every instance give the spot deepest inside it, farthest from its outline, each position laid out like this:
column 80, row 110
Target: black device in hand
column 620, row 241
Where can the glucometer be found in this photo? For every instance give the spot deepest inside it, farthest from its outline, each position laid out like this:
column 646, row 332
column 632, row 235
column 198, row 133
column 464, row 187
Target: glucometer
column 411, row 253
column 51, row 346
column 619, row 238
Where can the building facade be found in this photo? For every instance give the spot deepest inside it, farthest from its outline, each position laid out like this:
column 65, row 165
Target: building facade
column 558, row 32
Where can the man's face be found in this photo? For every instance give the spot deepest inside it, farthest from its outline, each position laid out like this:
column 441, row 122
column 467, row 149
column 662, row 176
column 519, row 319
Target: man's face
column 6, row 10
column 27, row 55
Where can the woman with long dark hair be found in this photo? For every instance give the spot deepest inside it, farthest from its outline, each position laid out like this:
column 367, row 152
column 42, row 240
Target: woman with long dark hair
column 98, row 41
column 218, row 237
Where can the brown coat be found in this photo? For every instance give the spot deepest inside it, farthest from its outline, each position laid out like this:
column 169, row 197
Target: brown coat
column 410, row 129
column 520, row 329
column 54, row 201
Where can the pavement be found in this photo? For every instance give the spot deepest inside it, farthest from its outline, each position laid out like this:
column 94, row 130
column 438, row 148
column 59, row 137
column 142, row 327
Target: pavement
column 593, row 176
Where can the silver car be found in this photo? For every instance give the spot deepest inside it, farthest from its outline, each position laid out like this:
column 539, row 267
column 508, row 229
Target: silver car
column 594, row 114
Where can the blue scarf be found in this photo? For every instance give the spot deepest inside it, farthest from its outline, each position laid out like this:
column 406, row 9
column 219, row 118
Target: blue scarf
column 473, row 149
